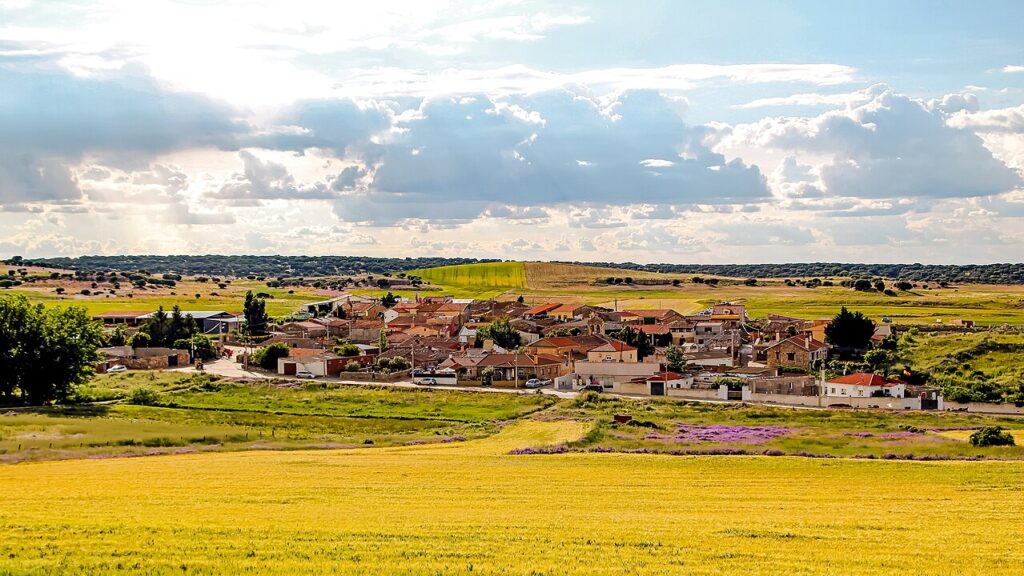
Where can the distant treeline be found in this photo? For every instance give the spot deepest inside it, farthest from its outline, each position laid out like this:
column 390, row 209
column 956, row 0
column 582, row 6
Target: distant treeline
column 976, row 273
column 240, row 266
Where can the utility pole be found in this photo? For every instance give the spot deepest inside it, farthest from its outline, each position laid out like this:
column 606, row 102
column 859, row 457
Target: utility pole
column 516, row 356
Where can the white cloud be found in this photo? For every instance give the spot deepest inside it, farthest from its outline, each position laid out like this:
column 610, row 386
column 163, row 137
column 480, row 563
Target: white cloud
column 1011, row 68
column 889, row 146
column 519, row 79
column 805, row 99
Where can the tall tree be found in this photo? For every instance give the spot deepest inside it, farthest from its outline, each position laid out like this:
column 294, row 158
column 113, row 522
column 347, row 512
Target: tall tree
column 44, row 353
column 158, row 327
column 850, row 330
column 638, row 339
column 675, row 359
column 502, row 333
column 181, row 326
column 255, row 312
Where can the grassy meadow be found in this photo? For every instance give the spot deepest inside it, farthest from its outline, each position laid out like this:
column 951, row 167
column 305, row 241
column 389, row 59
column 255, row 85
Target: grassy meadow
column 472, row 508
column 679, row 427
column 197, row 414
column 992, row 356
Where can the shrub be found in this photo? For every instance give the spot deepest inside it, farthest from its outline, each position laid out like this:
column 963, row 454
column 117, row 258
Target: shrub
column 139, row 340
column 143, row 397
column 398, row 363
column 267, row 356
column 353, row 366
column 347, row 350
column 992, row 436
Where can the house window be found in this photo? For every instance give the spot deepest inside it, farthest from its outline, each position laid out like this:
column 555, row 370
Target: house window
column 778, row 355
column 833, row 391
column 790, row 356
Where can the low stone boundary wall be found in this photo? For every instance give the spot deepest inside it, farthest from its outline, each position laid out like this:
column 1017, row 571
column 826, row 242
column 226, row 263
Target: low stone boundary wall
column 983, row 407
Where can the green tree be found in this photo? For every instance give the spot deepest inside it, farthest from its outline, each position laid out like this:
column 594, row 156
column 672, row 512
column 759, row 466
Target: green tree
column 158, row 328
column 199, row 344
column 45, row 354
column 862, row 285
column 347, row 349
column 880, row 361
column 487, row 374
column 119, row 337
column 267, row 356
column 638, row 339
column 502, row 333
column 255, row 312
column 180, row 326
column 850, row 330
column 675, row 359
column 388, row 300
column 140, row 340
column 382, row 340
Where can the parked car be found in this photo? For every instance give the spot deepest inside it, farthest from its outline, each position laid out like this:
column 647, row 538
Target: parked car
column 305, row 374
column 116, row 368
column 592, row 388
column 427, row 381
column 533, row 383
column 546, row 382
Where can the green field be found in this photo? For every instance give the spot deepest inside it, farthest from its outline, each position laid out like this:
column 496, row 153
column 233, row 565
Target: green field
column 482, row 279
column 670, row 426
column 547, row 282
column 471, row 508
column 286, row 477
column 203, row 414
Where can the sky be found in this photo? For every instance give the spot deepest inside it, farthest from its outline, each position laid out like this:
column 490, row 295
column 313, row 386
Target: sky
column 644, row 131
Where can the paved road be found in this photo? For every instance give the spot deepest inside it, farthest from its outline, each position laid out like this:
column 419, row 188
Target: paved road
column 231, row 369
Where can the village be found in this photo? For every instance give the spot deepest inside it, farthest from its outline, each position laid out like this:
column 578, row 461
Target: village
column 718, row 354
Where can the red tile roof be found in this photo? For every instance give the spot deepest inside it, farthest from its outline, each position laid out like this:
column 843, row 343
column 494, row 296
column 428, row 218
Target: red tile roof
column 541, row 309
column 865, row 379
column 614, row 346
column 665, row 377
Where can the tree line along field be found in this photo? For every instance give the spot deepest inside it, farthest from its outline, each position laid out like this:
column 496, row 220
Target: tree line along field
column 539, row 282
column 281, row 301
column 474, row 508
column 239, row 266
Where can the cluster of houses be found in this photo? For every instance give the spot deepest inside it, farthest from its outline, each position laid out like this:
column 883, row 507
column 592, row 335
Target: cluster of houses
column 725, row 355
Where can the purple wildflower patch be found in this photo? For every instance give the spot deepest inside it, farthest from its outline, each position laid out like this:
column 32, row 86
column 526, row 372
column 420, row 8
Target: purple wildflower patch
column 728, row 434
column 557, row 449
column 859, row 434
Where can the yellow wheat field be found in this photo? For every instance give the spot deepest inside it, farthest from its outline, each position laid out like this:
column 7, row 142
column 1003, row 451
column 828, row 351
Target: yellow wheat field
column 470, row 508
